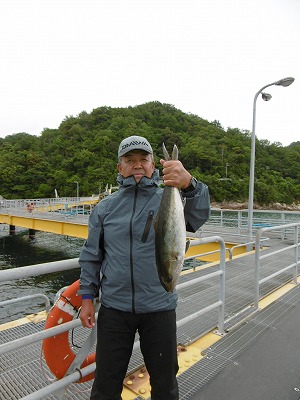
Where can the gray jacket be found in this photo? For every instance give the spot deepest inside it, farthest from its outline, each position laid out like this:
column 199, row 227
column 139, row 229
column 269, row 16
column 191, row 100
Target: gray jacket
column 118, row 257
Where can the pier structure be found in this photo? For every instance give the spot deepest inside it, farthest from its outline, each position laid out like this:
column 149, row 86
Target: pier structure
column 65, row 216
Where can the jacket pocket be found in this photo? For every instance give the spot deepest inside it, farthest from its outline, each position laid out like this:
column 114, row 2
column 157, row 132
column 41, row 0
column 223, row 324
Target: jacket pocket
column 147, row 226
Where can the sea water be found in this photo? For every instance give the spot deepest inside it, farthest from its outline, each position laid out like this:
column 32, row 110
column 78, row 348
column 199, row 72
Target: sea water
column 20, row 250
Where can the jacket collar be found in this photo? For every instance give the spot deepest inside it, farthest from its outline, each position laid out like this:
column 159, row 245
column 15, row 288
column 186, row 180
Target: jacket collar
column 144, row 182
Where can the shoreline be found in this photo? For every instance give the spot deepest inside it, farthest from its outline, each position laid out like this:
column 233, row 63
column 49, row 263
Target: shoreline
column 234, row 205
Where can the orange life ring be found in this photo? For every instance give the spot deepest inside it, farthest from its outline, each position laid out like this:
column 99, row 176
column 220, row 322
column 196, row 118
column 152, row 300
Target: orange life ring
column 57, row 350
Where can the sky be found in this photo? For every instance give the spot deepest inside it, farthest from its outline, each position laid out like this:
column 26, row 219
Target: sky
column 205, row 57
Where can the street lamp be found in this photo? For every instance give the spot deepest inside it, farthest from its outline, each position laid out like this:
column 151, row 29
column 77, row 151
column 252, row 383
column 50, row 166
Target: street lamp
column 282, row 82
column 77, row 196
column 77, row 189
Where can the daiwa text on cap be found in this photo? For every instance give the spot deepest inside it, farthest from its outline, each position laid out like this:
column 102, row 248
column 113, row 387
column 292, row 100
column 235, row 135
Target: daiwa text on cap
column 134, row 143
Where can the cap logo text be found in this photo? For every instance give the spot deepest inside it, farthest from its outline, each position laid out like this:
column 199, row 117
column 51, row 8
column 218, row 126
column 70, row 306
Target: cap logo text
column 133, row 143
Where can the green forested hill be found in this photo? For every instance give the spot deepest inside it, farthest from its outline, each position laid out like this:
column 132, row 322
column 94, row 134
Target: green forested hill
column 84, row 149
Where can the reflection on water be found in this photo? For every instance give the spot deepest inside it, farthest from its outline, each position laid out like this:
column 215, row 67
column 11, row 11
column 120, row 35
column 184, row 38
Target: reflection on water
column 19, row 250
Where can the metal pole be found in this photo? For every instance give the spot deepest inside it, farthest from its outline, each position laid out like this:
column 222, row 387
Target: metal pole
column 77, row 196
column 77, row 189
column 251, row 177
column 282, row 82
column 252, row 168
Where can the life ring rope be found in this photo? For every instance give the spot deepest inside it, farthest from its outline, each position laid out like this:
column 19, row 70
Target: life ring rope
column 68, row 301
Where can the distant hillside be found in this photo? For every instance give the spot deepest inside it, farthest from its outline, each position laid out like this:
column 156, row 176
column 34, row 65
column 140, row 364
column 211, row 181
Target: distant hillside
column 84, row 149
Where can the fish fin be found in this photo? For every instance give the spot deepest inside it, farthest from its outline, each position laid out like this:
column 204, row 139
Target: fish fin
column 166, row 154
column 175, row 153
column 187, row 245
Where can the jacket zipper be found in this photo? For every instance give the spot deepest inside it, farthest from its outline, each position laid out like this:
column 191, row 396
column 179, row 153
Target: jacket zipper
column 131, row 248
column 147, row 226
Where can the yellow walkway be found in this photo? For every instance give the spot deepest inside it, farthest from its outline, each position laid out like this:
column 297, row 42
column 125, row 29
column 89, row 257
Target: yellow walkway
column 77, row 227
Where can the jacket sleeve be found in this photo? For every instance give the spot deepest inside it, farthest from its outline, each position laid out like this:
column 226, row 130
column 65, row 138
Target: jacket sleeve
column 90, row 259
column 197, row 207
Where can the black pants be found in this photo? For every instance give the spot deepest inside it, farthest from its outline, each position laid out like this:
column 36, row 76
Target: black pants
column 116, row 333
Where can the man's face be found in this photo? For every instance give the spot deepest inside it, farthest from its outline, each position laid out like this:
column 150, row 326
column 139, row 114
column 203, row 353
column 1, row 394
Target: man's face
column 137, row 163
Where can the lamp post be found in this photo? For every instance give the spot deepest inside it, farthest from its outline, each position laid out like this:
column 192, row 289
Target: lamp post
column 77, row 196
column 77, row 190
column 282, row 82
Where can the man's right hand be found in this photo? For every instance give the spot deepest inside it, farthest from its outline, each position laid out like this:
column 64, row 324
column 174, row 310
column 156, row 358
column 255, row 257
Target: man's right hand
column 87, row 313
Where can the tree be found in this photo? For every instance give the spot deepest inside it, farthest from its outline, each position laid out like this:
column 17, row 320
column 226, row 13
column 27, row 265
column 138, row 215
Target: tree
column 84, row 148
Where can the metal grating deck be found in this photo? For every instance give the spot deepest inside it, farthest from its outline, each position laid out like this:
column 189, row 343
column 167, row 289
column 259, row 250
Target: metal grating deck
column 241, row 366
column 20, row 370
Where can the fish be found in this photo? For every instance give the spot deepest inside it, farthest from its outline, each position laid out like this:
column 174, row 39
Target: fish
column 170, row 233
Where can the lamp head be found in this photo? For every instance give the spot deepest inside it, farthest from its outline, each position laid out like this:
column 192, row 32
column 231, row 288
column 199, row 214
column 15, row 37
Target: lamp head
column 266, row 96
column 285, row 82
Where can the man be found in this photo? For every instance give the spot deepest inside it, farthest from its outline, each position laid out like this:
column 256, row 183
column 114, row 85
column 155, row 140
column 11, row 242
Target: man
column 118, row 260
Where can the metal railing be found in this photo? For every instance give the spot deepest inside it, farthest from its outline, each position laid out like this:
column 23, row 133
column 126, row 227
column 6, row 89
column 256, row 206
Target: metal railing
column 261, row 218
column 219, row 217
column 233, row 248
column 29, row 271
column 67, row 205
column 41, row 296
column 194, row 257
column 220, row 304
column 259, row 257
column 38, row 269
column 33, row 270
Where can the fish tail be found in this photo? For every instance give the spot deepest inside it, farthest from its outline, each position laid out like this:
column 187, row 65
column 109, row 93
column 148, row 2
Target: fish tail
column 175, row 153
column 166, row 154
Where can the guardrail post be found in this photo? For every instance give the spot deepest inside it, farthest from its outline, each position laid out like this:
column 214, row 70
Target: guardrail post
column 256, row 268
column 222, row 286
column 240, row 218
column 296, row 253
column 282, row 223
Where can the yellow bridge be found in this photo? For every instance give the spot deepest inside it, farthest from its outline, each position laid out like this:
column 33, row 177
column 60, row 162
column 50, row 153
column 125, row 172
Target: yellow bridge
column 36, row 223
column 68, row 217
